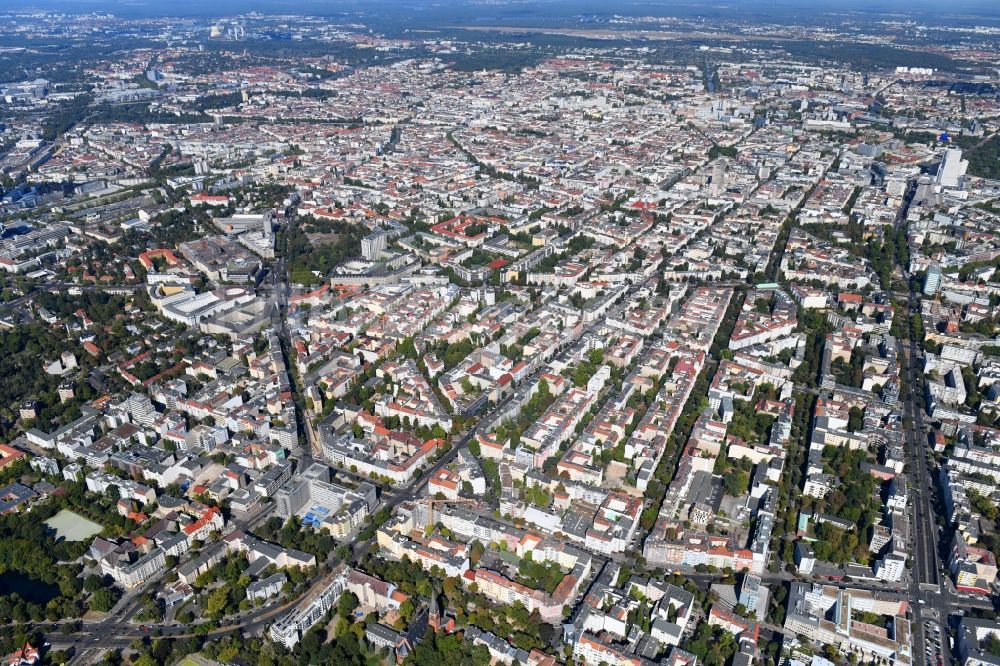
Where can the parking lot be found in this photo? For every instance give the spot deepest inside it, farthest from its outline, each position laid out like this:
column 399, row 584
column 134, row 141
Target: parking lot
column 932, row 644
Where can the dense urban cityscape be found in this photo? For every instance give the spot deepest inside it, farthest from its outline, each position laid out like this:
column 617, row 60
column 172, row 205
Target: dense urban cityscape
column 500, row 334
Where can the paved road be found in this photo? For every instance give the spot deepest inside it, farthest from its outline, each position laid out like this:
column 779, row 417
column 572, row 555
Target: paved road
column 117, row 634
column 932, row 601
column 932, row 596
column 117, row 628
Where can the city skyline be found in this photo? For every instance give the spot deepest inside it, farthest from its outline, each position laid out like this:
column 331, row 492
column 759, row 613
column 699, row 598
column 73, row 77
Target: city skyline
column 541, row 333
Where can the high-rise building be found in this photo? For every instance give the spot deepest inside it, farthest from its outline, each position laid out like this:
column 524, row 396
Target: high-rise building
column 374, row 244
column 952, row 168
column 141, row 409
column 932, row 281
column 890, row 568
column 749, row 592
column 718, row 178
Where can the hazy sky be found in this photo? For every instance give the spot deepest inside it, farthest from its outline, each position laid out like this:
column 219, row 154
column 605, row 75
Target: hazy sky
column 515, row 10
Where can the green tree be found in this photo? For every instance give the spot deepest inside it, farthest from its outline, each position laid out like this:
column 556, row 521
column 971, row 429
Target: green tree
column 93, row 583
column 406, row 610
column 476, row 551
column 103, row 600
column 346, row 604
column 217, row 601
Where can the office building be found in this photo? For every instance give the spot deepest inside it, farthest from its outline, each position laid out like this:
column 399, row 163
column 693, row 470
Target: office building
column 952, row 168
